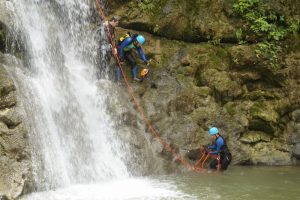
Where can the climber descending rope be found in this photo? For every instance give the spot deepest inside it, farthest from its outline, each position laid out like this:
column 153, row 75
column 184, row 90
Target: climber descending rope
column 131, row 93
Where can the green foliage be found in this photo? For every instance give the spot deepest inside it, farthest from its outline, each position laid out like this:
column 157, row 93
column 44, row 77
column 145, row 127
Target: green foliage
column 145, row 5
column 243, row 6
column 270, row 51
column 294, row 26
column 239, row 36
column 267, row 26
column 156, row 29
column 214, row 41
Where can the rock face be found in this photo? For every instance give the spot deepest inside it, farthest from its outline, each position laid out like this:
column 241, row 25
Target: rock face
column 193, row 86
column 14, row 153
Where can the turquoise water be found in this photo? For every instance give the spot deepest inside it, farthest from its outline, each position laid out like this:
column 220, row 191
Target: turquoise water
column 244, row 183
column 259, row 183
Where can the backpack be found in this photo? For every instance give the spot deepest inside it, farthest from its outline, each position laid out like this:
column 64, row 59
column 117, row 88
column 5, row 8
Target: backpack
column 127, row 35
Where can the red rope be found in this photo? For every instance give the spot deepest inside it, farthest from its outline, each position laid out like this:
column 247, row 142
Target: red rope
column 131, row 93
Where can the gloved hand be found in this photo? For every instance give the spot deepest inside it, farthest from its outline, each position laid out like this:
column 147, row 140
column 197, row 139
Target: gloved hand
column 114, row 51
column 147, row 62
column 205, row 147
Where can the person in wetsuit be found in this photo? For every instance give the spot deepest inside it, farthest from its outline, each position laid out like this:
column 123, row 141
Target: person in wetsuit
column 125, row 52
column 220, row 148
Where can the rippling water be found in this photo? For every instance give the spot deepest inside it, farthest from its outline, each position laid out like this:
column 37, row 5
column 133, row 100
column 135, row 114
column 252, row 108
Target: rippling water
column 243, row 183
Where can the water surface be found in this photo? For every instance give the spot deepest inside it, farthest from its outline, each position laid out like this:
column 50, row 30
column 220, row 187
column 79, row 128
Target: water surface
column 253, row 183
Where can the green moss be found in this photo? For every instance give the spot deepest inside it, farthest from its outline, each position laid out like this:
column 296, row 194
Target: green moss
column 203, row 91
column 230, row 108
column 256, row 108
column 264, row 110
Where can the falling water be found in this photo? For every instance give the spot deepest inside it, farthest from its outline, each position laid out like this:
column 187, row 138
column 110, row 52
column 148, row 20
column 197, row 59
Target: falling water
column 76, row 153
column 70, row 131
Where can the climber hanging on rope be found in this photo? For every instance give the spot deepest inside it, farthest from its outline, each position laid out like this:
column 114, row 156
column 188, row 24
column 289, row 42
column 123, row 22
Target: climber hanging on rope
column 125, row 52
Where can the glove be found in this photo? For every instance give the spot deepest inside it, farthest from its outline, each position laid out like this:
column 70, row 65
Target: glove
column 146, row 62
column 114, row 51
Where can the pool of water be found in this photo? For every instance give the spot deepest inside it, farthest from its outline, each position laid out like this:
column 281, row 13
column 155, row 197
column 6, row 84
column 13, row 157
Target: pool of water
column 255, row 183
column 244, row 183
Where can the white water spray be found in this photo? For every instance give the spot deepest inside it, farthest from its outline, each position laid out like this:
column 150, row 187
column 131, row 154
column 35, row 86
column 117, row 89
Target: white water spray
column 70, row 129
column 75, row 151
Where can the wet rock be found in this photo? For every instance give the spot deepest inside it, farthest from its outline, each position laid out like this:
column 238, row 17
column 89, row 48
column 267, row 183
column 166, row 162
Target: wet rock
column 12, row 177
column 221, row 82
column 253, row 137
column 7, row 90
column 184, row 20
column 296, row 116
column 263, row 117
column 267, row 154
column 296, row 151
column 243, row 56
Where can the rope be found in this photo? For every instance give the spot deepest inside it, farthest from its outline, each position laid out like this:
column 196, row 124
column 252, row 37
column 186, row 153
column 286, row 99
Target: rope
column 140, row 110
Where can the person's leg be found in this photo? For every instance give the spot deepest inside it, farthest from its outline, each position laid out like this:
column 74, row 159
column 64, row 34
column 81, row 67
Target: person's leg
column 213, row 164
column 131, row 59
column 118, row 74
column 225, row 160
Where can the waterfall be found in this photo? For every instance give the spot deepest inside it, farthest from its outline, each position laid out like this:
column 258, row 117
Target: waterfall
column 71, row 134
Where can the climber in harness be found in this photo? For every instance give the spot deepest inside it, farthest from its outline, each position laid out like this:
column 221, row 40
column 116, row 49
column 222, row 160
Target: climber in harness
column 219, row 148
column 125, row 52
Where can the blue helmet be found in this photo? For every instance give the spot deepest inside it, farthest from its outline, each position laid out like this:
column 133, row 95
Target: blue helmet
column 140, row 39
column 213, row 131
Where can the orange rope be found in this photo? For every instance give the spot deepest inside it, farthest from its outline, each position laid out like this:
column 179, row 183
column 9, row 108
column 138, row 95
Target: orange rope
column 131, row 93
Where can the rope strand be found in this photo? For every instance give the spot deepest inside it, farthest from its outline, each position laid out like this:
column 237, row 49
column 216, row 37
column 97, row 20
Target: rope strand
column 140, row 110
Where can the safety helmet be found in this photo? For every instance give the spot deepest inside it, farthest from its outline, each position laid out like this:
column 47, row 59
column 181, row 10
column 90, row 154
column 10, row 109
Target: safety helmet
column 213, row 131
column 140, row 39
column 144, row 72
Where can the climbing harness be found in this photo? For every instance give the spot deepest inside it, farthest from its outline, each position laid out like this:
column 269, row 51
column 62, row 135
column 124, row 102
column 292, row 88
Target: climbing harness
column 204, row 157
column 137, row 105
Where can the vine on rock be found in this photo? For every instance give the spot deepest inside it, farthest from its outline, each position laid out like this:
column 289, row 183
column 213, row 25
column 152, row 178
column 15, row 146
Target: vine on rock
column 268, row 26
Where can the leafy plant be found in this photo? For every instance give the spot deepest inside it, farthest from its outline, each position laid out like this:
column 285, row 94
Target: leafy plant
column 269, row 27
column 156, row 28
column 215, row 41
column 145, row 5
column 270, row 51
column 239, row 36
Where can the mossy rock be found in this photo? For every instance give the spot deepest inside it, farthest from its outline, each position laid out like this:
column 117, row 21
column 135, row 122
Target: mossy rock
column 263, row 94
column 243, row 56
column 263, row 117
column 253, row 137
column 231, row 108
column 191, row 21
column 267, row 154
column 264, row 110
column 221, row 83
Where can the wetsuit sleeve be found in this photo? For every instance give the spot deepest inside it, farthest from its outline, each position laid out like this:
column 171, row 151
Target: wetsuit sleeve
column 212, row 146
column 217, row 149
column 126, row 42
column 141, row 53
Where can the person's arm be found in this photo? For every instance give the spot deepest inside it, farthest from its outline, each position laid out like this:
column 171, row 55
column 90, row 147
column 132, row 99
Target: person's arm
column 142, row 55
column 212, row 146
column 126, row 42
column 219, row 144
